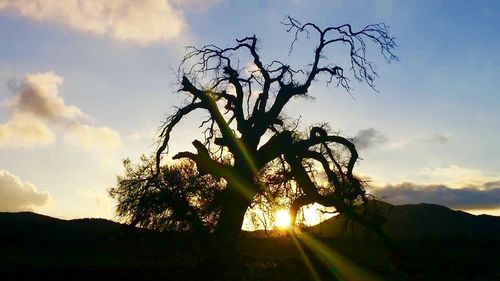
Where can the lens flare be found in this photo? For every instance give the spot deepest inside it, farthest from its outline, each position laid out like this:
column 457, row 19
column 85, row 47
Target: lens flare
column 282, row 219
column 339, row 266
column 305, row 259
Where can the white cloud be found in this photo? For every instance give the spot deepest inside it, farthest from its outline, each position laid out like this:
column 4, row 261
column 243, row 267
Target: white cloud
column 25, row 130
column 39, row 95
column 37, row 110
column 142, row 21
column 456, row 176
column 18, row 195
column 93, row 137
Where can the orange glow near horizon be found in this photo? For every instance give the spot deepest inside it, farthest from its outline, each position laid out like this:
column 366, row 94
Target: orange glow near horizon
column 282, row 219
column 257, row 219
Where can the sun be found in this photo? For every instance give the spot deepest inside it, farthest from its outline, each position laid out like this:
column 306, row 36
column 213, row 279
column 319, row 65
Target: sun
column 282, row 219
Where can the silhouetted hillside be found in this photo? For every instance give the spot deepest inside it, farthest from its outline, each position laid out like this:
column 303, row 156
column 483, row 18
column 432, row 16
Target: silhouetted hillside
column 38, row 247
column 457, row 246
column 30, row 228
column 417, row 221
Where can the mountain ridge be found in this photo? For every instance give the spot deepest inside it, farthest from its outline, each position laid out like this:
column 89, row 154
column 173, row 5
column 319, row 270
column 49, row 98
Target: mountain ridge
column 416, row 221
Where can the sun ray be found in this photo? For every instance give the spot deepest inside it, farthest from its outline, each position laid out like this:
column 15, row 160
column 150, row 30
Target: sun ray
column 305, row 258
column 338, row 265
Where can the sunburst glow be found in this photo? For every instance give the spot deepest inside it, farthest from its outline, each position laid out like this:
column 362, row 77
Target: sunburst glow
column 282, row 219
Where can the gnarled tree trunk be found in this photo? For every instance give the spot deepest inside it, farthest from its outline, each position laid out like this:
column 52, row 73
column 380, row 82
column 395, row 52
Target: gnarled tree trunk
column 228, row 228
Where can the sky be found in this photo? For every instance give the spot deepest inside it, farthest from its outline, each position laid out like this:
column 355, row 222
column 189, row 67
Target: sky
column 85, row 84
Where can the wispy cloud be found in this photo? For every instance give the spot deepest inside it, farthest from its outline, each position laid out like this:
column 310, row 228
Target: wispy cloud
column 37, row 111
column 436, row 138
column 456, row 176
column 91, row 137
column 144, row 21
column 103, row 204
column 18, row 195
column 425, row 139
column 484, row 196
column 146, row 134
column 369, row 138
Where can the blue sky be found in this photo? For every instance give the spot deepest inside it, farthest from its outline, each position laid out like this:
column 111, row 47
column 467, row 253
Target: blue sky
column 434, row 125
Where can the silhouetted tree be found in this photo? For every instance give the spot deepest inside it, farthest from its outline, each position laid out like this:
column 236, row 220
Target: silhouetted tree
column 250, row 152
column 179, row 199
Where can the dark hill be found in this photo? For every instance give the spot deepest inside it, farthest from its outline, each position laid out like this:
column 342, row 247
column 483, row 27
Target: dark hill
column 30, row 228
column 417, row 221
column 37, row 247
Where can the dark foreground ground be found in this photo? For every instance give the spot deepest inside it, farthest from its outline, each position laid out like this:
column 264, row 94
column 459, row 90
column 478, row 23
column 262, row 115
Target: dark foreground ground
column 259, row 259
column 50, row 249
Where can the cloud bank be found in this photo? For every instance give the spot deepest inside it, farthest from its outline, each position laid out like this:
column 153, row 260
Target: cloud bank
column 144, row 21
column 484, row 196
column 17, row 195
column 37, row 111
